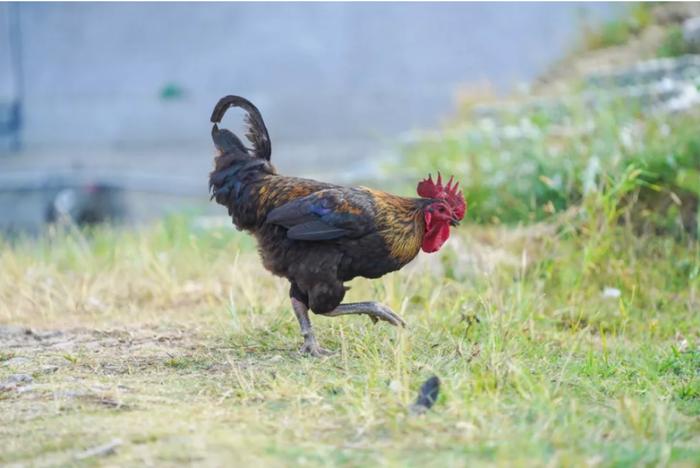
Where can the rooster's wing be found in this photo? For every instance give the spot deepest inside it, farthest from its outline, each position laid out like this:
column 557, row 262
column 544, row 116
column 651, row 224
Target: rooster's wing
column 325, row 215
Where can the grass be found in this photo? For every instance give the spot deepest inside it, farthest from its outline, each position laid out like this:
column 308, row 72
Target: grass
column 638, row 18
column 176, row 344
column 619, row 31
column 674, row 44
column 526, row 167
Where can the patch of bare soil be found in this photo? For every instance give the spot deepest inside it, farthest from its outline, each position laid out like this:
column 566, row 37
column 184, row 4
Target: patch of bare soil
column 61, row 378
column 23, row 346
column 83, row 366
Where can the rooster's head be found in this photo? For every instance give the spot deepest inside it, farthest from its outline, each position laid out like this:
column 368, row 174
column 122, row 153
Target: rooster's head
column 446, row 208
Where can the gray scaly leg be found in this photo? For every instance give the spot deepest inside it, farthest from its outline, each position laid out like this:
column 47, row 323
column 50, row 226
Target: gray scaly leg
column 310, row 346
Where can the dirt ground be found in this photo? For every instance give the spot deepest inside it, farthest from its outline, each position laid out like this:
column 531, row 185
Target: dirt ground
column 56, row 374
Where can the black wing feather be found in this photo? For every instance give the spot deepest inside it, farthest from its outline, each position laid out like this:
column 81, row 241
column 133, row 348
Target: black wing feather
column 290, row 214
column 315, row 230
column 323, row 216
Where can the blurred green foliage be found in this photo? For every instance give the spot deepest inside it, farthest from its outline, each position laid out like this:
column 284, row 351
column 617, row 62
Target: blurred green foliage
column 674, row 44
column 618, row 31
column 525, row 167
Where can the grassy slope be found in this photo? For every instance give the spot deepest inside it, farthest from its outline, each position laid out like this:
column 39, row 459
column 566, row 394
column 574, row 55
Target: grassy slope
column 195, row 356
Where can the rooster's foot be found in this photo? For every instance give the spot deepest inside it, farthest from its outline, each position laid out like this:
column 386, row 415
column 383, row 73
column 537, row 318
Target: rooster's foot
column 312, row 348
column 375, row 310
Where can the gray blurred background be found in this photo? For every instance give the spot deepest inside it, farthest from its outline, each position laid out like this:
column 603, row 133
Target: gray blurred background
column 114, row 99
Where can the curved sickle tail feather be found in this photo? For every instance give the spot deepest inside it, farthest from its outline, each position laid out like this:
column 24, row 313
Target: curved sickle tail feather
column 226, row 141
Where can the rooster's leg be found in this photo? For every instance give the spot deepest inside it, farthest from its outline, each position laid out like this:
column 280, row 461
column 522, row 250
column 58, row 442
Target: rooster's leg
column 310, row 346
column 375, row 310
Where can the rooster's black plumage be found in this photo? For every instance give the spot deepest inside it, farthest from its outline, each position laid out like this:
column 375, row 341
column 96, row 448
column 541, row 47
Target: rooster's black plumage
column 315, row 234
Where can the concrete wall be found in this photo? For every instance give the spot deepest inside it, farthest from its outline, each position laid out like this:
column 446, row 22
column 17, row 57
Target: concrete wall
column 94, row 74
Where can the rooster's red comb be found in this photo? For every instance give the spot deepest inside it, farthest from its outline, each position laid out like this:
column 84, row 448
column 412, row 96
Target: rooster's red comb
column 429, row 189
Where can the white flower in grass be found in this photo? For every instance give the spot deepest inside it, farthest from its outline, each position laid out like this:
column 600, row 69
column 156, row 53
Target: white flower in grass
column 611, row 293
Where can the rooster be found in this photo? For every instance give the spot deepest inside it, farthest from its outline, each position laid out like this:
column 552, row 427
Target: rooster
column 320, row 235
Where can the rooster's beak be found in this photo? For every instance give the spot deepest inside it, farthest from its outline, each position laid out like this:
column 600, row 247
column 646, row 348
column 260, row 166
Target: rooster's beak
column 454, row 222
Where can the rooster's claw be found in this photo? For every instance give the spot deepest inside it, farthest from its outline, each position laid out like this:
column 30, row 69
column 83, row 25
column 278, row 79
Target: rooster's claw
column 312, row 348
column 382, row 312
column 375, row 310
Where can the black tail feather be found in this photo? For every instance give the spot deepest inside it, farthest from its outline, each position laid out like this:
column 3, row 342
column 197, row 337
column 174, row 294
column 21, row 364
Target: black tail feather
column 427, row 396
column 225, row 140
column 257, row 134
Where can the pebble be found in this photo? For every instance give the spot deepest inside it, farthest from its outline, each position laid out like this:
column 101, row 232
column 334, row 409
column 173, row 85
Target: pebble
column 9, row 330
column 17, row 378
column 16, row 361
column 611, row 293
column 12, row 382
column 26, row 389
column 101, row 450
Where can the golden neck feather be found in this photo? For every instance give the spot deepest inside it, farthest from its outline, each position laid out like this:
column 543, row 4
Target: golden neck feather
column 400, row 222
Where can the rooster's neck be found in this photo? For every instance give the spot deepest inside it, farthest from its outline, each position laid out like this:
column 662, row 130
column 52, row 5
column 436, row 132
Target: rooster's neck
column 401, row 224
